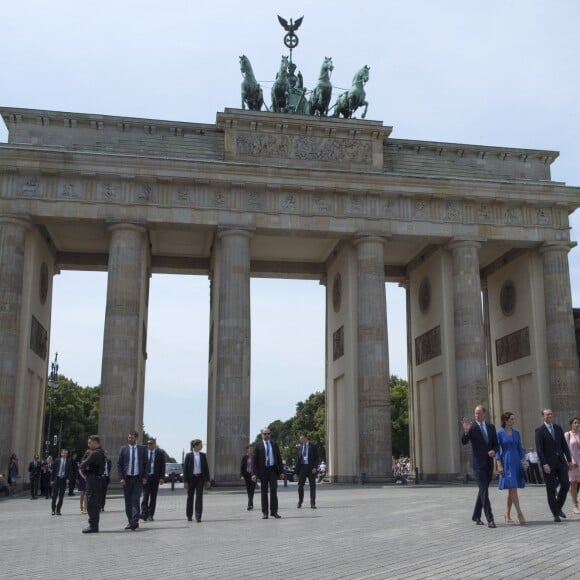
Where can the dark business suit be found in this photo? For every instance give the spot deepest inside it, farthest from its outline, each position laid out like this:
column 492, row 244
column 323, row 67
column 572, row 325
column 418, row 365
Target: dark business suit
column 155, row 472
column 133, row 483
column 554, row 452
column 59, row 482
column 34, row 469
column 195, row 483
column 482, row 465
column 268, row 475
column 247, row 475
column 307, row 468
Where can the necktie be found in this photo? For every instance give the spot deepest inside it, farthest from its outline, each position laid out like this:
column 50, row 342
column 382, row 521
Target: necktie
column 61, row 470
column 133, row 467
column 151, row 462
column 305, row 453
column 551, row 430
column 267, row 454
column 484, row 432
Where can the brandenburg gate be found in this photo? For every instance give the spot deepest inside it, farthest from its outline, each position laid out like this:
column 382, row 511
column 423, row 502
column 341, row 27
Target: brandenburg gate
column 479, row 236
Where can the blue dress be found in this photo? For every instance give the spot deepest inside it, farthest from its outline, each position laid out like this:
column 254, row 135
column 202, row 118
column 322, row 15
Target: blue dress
column 511, row 453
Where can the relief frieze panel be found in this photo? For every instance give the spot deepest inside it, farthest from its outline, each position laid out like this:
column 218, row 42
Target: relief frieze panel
column 320, row 149
column 428, row 345
column 513, row 346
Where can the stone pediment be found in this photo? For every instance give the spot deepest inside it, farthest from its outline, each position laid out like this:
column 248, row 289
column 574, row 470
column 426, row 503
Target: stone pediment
column 300, row 140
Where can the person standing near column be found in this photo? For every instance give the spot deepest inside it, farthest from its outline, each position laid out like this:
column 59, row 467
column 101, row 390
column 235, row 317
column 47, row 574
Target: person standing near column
column 132, row 467
column 555, row 461
column 92, row 468
column 74, row 473
column 155, row 475
column 534, row 469
column 105, row 480
column 484, row 446
column 246, row 475
column 34, row 468
column 573, row 440
column 307, row 467
column 195, row 478
column 60, row 476
column 267, row 465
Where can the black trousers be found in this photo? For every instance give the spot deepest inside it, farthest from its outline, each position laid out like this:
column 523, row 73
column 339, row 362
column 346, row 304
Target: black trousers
column 195, row 487
column 94, row 490
column 58, row 489
column 304, row 474
column 149, row 502
column 534, row 471
column 132, row 491
column 250, row 488
column 558, row 477
column 34, row 486
column 483, row 477
column 269, row 483
column 104, row 489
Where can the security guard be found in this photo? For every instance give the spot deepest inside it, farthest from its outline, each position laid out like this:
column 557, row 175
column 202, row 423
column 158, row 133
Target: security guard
column 92, row 467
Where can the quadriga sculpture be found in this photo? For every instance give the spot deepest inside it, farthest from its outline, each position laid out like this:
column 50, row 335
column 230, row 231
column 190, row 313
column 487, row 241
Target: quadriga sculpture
column 349, row 101
column 251, row 91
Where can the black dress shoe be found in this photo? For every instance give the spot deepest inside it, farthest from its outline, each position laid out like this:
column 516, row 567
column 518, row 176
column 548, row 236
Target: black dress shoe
column 557, row 519
column 53, row 513
column 150, row 518
column 312, row 506
column 264, row 516
column 478, row 521
column 190, row 519
column 134, row 526
column 562, row 514
column 198, row 520
column 277, row 516
column 128, row 526
column 90, row 530
column 299, row 505
column 491, row 525
column 58, row 514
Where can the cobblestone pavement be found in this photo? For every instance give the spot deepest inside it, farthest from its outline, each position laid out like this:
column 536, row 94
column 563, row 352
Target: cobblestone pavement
column 393, row 531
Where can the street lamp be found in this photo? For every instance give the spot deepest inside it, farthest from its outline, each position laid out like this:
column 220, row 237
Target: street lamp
column 52, row 383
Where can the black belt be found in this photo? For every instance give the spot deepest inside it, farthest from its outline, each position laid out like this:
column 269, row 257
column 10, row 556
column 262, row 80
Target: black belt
column 130, row 476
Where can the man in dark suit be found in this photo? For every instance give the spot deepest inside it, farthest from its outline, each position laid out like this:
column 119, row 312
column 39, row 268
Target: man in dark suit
column 61, row 470
column 484, row 445
column 132, row 467
column 555, row 460
column 155, row 475
column 307, row 467
column 267, row 465
column 34, row 469
column 246, row 475
column 195, row 478
column 105, row 480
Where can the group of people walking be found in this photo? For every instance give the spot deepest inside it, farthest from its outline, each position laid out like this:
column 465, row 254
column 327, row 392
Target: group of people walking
column 558, row 455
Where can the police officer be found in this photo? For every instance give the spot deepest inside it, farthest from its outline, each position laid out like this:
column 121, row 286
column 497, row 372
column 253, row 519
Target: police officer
column 93, row 467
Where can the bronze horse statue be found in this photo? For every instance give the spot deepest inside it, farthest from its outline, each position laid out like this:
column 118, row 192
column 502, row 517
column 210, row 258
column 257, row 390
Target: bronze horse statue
column 251, row 90
column 281, row 88
column 322, row 92
column 348, row 102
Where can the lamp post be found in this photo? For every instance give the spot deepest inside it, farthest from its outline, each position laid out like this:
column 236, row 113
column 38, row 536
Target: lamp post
column 52, row 383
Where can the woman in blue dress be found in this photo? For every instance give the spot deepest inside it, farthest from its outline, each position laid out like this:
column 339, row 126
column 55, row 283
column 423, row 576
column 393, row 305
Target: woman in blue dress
column 510, row 464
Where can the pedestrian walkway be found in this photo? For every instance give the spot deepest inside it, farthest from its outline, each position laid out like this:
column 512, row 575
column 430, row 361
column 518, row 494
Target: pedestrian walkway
column 357, row 532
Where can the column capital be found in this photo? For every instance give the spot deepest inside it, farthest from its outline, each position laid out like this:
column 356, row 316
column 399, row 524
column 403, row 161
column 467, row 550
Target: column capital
column 116, row 226
column 556, row 246
column 457, row 243
column 22, row 221
column 224, row 231
column 361, row 238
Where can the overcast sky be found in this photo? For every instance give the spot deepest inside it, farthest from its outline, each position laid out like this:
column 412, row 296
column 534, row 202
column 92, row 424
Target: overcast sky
column 501, row 73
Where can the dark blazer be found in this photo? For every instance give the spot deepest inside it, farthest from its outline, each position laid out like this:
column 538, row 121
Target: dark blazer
column 243, row 471
column 33, row 471
column 551, row 449
column 259, row 460
column 188, row 467
column 56, row 468
column 158, row 465
column 479, row 448
column 125, row 456
column 313, row 459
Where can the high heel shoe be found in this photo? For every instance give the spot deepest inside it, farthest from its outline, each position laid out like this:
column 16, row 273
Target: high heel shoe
column 507, row 518
column 521, row 519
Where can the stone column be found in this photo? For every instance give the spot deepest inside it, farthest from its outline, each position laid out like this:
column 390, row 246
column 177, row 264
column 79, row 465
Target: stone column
column 121, row 404
column 12, row 244
column 232, row 380
column 374, row 419
column 470, row 368
column 560, row 335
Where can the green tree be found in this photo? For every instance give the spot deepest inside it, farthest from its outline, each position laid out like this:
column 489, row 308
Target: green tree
column 399, row 390
column 73, row 413
column 310, row 419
